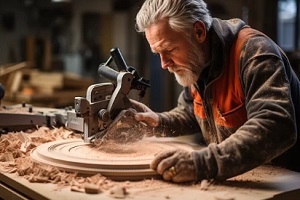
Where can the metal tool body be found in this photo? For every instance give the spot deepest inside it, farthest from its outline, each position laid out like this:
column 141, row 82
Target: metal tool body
column 106, row 103
column 21, row 117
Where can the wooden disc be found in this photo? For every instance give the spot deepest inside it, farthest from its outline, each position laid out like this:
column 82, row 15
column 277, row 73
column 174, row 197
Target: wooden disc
column 116, row 161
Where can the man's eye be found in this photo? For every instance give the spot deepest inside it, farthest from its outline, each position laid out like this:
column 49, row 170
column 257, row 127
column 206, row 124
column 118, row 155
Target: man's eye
column 171, row 50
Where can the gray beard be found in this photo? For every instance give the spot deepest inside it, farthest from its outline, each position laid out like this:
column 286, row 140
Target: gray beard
column 194, row 66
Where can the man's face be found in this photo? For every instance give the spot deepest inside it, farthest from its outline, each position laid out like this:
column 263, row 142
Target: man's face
column 178, row 54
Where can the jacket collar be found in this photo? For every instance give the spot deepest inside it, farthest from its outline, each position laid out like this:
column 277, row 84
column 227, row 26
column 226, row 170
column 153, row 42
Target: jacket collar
column 223, row 34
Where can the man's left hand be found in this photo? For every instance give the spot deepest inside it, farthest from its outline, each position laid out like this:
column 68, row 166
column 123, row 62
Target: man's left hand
column 175, row 165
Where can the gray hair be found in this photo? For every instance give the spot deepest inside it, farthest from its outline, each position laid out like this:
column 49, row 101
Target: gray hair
column 181, row 14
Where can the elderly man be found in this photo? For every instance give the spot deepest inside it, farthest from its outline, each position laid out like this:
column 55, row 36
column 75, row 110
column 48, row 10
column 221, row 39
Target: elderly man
column 240, row 93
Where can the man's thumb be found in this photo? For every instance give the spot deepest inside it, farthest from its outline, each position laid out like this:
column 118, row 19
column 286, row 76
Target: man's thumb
column 139, row 117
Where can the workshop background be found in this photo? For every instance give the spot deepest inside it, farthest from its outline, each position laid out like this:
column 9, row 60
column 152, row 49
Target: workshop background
column 51, row 49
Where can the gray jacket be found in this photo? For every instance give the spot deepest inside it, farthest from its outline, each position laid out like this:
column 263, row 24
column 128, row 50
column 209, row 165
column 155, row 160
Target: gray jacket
column 272, row 103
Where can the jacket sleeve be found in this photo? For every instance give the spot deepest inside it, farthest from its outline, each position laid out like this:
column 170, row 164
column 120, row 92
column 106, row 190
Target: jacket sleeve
column 271, row 126
column 181, row 119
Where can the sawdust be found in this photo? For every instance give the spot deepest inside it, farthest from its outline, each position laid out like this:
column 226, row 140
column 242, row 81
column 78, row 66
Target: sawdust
column 141, row 148
column 113, row 147
column 125, row 130
column 15, row 158
column 15, row 142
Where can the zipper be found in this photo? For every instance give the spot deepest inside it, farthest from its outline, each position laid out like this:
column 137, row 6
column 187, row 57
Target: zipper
column 210, row 117
column 208, row 104
column 207, row 99
column 208, row 112
column 221, row 114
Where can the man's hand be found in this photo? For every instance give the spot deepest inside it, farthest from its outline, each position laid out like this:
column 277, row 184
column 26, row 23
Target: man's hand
column 145, row 114
column 175, row 165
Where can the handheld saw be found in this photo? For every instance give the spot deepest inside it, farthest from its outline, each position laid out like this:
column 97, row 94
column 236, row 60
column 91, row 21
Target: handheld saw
column 106, row 105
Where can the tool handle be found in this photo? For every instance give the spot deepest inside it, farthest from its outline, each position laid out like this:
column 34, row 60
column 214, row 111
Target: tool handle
column 138, row 83
column 118, row 58
column 107, row 72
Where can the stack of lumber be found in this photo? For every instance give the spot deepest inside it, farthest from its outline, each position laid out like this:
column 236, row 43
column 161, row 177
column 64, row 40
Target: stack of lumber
column 47, row 89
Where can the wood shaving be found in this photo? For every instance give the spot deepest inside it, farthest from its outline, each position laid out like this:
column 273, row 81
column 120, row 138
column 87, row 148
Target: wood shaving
column 15, row 158
column 204, row 184
column 119, row 192
column 9, row 157
column 20, row 163
column 91, row 188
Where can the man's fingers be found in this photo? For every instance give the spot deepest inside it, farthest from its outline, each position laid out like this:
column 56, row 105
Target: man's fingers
column 185, row 172
column 167, row 164
column 140, row 107
column 175, row 165
column 159, row 158
column 182, row 171
column 149, row 118
column 139, row 117
column 167, row 175
column 143, row 117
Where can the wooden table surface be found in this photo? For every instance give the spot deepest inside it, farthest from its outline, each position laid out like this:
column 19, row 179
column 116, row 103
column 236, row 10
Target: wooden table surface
column 265, row 182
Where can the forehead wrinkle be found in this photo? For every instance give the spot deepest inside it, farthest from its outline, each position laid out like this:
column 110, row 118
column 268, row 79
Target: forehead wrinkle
column 161, row 46
column 158, row 36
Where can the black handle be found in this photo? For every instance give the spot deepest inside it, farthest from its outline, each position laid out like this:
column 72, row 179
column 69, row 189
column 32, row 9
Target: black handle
column 108, row 72
column 118, row 58
column 138, row 83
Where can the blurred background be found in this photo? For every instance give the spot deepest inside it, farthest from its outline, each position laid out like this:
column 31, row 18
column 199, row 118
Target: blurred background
column 50, row 49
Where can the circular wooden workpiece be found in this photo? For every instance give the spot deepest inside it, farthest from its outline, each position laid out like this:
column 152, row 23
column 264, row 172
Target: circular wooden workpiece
column 116, row 161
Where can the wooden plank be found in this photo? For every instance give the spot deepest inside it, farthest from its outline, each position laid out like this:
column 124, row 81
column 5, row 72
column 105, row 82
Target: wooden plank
column 19, row 189
column 75, row 81
column 16, row 82
column 46, row 82
column 43, row 191
column 243, row 188
column 9, row 193
column 8, row 70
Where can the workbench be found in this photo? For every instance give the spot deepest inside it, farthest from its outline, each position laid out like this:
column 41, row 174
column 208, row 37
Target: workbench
column 265, row 182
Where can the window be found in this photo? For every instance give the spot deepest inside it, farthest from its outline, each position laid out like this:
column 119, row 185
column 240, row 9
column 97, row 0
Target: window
column 288, row 25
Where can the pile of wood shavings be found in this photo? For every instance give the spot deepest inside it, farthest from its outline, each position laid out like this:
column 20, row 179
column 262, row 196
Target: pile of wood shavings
column 15, row 158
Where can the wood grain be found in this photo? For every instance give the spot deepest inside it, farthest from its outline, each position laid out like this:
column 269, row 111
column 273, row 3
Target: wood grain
column 116, row 161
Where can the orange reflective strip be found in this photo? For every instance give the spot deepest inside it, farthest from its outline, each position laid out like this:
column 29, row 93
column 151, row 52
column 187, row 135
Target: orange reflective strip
column 228, row 104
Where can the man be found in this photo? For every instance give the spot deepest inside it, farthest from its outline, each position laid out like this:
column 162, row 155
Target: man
column 240, row 92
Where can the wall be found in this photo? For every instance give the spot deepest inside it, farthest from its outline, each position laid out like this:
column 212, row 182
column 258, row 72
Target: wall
column 225, row 9
column 117, row 30
column 10, row 39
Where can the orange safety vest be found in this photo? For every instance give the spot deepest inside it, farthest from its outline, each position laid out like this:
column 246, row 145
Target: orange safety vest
column 228, row 95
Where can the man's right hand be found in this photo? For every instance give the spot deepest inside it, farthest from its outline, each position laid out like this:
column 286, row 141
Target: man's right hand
column 175, row 165
column 145, row 114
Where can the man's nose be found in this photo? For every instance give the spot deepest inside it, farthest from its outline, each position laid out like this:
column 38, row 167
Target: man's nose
column 165, row 61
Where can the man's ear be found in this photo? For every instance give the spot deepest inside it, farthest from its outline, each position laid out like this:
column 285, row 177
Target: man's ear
column 200, row 31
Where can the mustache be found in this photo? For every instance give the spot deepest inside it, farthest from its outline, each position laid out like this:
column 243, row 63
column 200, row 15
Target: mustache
column 187, row 69
column 173, row 69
